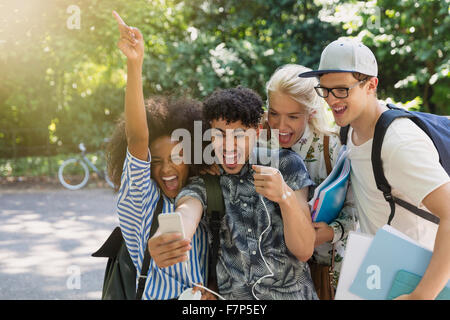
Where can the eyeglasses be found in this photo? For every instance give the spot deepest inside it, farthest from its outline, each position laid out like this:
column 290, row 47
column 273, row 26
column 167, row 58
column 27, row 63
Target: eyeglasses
column 339, row 93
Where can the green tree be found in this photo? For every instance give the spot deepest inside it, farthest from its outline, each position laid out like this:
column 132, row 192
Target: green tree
column 410, row 40
column 62, row 85
column 242, row 42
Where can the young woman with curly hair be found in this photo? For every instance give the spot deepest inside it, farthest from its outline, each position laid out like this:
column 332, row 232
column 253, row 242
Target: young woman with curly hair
column 144, row 168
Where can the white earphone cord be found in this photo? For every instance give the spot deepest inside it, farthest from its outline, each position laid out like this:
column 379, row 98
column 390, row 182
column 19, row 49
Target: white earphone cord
column 200, row 286
column 260, row 251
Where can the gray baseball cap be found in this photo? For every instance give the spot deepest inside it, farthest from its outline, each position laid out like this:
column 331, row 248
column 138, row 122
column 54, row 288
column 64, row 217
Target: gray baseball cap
column 345, row 55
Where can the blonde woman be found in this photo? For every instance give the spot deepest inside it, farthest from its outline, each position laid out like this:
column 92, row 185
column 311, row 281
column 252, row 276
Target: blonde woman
column 300, row 116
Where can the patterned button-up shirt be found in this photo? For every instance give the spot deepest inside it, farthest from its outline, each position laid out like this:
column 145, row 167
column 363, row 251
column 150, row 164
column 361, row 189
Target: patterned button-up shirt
column 240, row 263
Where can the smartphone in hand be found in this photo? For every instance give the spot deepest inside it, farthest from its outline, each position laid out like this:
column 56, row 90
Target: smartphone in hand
column 171, row 223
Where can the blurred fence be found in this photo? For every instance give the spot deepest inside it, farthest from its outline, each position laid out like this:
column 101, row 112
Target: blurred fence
column 21, row 142
column 29, row 152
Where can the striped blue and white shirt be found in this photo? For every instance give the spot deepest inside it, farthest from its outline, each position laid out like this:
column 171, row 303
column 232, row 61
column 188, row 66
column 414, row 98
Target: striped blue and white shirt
column 138, row 197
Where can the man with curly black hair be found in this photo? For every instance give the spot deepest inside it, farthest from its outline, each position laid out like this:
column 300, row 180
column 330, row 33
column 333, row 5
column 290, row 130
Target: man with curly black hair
column 238, row 111
column 259, row 200
column 221, row 104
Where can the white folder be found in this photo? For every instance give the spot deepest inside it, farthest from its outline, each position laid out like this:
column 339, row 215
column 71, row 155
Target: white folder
column 357, row 246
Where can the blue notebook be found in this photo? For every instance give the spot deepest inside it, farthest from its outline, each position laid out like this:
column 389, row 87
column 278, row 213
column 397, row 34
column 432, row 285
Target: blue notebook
column 329, row 196
column 387, row 255
column 405, row 282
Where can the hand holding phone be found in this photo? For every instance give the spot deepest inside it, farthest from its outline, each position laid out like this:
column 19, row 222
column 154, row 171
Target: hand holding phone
column 270, row 184
column 171, row 223
column 168, row 246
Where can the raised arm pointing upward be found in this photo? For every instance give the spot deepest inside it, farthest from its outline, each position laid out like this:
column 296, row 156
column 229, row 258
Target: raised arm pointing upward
column 131, row 43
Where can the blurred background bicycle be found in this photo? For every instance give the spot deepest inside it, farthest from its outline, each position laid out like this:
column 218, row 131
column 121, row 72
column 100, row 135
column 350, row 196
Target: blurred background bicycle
column 74, row 172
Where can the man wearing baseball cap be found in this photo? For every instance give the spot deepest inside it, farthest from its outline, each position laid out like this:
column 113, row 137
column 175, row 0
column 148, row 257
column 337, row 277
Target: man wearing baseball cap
column 348, row 82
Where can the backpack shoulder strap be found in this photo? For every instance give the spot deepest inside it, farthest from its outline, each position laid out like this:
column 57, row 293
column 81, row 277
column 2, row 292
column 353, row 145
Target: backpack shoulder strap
column 146, row 261
column 326, row 153
column 215, row 210
column 343, row 134
column 384, row 121
column 386, row 118
column 214, row 195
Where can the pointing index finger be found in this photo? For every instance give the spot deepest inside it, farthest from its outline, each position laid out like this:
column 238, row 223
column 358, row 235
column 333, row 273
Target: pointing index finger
column 118, row 18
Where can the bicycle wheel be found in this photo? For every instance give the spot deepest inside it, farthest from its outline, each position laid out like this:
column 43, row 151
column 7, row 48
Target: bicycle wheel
column 73, row 174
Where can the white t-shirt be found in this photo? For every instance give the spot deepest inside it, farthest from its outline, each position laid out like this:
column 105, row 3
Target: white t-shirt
column 411, row 166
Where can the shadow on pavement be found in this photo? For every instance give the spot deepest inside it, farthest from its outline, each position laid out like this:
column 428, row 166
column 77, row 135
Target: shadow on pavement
column 46, row 239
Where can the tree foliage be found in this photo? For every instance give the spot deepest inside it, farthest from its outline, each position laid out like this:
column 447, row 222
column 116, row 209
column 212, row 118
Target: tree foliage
column 410, row 40
column 61, row 86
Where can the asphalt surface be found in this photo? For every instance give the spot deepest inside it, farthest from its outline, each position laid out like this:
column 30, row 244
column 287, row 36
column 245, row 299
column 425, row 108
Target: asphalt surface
column 46, row 241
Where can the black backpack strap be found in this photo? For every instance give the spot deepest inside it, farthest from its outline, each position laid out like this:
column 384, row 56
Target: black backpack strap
column 146, row 261
column 215, row 210
column 419, row 212
column 343, row 134
column 386, row 118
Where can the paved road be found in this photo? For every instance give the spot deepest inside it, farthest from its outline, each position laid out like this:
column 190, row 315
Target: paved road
column 46, row 239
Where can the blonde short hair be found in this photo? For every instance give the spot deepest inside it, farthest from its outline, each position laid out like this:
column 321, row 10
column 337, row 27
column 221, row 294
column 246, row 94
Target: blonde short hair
column 286, row 80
